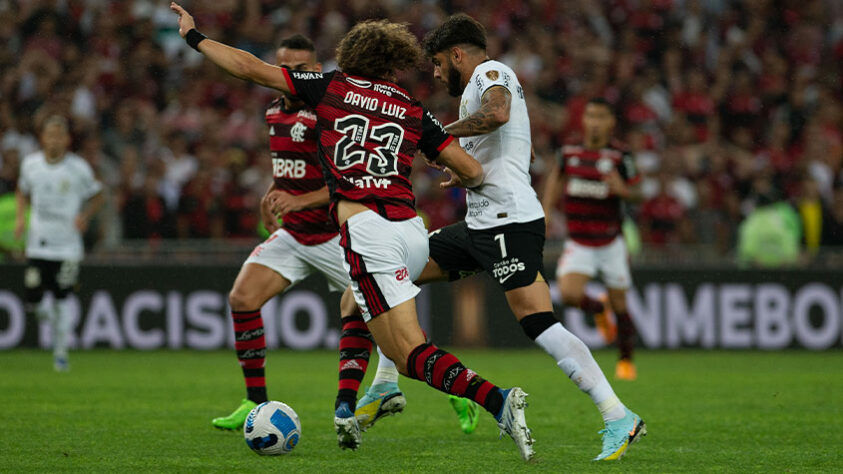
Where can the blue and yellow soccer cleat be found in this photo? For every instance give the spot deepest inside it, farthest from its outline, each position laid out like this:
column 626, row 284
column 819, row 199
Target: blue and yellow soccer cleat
column 468, row 413
column 380, row 400
column 619, row 435
column 235, row 420
column 347, row 428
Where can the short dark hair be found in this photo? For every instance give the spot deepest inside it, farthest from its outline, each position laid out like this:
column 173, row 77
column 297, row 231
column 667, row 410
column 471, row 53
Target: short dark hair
column 457, row 29
column 377, row 49
column 602, row 102
column 297, row 42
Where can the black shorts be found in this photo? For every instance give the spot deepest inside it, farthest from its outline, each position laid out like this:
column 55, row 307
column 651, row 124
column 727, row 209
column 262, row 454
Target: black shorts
column 59, row 277
column 512, row 254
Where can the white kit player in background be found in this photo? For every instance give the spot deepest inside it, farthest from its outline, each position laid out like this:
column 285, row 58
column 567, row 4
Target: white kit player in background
column 64, row 196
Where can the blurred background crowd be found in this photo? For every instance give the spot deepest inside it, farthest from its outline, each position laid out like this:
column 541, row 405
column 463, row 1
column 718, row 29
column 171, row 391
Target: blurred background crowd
column 726, row 106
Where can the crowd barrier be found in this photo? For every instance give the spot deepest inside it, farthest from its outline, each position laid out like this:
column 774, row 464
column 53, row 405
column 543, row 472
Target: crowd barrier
column 185, row 307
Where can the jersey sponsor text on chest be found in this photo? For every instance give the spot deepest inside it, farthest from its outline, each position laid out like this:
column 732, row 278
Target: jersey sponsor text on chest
column 286, row 168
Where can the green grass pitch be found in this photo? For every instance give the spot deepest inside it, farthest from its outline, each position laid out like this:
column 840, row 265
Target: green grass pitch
column 151, row 411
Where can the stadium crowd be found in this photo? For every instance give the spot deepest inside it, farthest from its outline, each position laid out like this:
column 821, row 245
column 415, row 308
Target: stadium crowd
column 725, row 105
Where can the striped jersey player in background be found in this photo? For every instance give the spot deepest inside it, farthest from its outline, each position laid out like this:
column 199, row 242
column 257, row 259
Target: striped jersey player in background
column 371, row 129
column 64, row 195
column 597, row 178
column 308, row 242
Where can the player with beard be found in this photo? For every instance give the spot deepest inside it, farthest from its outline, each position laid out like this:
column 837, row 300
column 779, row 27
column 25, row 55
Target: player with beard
column 370, row 129
column 597, row 178
column 504, row 229
column 308, row 242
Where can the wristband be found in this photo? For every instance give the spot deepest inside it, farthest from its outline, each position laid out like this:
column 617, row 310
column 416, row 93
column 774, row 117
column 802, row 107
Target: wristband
column 193, row 38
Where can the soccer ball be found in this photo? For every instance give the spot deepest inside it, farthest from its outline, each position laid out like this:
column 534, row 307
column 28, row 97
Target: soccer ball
column 272, row 428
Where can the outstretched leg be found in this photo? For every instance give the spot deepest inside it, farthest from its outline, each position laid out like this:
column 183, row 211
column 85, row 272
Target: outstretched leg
column 253, row 287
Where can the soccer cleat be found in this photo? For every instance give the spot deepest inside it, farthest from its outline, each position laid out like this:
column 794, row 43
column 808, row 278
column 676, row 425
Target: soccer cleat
column 605, row 322
column 512, row 422
column 380, row 400
column 619, row 435
column 468, row 413
column 60, row 364
column 348, row 430
column 625, row 370
column 235, row 420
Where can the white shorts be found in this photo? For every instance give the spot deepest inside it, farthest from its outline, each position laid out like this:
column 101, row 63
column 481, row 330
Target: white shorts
column 383, row 258
column 610, row 261
column 295, row 262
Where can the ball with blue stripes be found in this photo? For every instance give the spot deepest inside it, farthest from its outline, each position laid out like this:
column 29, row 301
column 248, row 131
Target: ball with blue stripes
column 272, row 428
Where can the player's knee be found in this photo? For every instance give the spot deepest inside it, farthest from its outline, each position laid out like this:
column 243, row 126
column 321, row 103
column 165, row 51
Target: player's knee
column 242, row 300
column 571, row 297
column 348, row 306
column 618, row 302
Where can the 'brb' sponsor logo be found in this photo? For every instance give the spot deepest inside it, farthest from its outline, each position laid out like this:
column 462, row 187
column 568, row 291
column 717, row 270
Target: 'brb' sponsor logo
column 401, row 274
column 588, row 189
column 285, row 168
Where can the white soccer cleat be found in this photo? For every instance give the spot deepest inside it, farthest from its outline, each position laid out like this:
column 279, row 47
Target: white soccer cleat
column 513, row 422
column 348, row 430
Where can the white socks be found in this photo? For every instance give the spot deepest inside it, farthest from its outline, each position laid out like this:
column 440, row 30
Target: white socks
column 386, row 370
column 574, row 358
column 61, row 327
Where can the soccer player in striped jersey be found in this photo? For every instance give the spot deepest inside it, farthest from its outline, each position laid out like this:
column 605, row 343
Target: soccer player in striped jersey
column 504, row 229
column 308, row 242
column 371, row 129
column 596, row 178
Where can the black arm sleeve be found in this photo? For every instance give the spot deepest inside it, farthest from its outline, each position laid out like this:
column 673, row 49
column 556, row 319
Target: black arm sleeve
column 434, row 138
column 309, row 86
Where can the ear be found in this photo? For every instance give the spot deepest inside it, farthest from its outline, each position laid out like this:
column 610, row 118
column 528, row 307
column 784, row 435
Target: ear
column 318, row 67
column 457, row 54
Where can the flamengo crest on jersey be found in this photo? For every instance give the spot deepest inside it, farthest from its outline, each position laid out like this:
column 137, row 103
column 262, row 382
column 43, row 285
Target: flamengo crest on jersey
column 369, row 133
column 296, row 169
column 507, row 195
column 594, row 216
column 57, row 192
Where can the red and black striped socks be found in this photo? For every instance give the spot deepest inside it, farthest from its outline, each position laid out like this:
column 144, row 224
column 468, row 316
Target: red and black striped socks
column 355, row 348
column 626, row 335
column 250, row 344
column 444, row 372
column 590, row 305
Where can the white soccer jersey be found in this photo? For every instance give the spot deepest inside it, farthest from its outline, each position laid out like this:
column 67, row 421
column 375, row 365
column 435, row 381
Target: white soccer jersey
column 506, row 196
column 57, row 192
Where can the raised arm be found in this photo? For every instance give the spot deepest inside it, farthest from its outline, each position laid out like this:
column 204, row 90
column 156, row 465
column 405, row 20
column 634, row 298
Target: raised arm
column 492, row 114
column 236, row 62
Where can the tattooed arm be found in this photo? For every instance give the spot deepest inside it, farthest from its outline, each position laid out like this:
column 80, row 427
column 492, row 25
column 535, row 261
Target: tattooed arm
column 492, row 114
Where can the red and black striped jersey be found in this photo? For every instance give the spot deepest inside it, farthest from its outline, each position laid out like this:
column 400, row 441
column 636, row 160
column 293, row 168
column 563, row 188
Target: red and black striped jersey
column 369, row 132
column 296, row 169
column 594, row 216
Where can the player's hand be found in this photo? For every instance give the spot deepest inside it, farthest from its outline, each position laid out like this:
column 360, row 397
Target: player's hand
column 270, row 222
column 186, row 22
column 81, row 223
column 284, row 203
column 617, row 186
column 453, row 180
